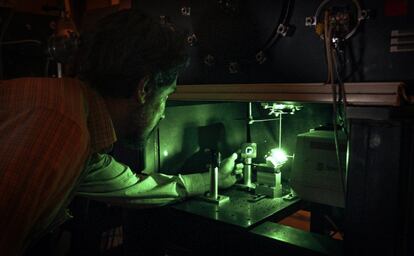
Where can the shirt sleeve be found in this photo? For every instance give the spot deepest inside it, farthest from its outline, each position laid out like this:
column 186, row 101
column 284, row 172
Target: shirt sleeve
column 113, row 182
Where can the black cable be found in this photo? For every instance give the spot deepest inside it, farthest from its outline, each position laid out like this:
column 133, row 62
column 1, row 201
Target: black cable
column 338, row 158
column 330, row 55
column 2, row 33
column 354, row 72
column 336, row 140
column 284, row 17
column 336, row 113
column 339, row 63
column 336, row 62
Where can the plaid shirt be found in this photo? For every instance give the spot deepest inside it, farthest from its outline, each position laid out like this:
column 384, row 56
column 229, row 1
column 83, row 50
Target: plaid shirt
column 45, row 141
column 48, row 129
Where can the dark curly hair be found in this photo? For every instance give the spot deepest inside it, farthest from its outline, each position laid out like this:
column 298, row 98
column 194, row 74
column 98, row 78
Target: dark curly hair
column 127, row 46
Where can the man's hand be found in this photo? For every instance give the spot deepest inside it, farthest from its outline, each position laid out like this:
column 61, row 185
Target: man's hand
column 228, row 171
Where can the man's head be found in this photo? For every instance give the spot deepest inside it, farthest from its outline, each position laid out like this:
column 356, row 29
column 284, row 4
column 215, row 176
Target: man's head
column 130, row 57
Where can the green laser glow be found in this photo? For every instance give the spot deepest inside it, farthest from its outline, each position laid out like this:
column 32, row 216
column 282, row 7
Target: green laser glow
column 277, row 157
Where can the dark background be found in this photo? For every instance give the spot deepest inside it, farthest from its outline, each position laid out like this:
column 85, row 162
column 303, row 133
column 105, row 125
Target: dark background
column 236, row 36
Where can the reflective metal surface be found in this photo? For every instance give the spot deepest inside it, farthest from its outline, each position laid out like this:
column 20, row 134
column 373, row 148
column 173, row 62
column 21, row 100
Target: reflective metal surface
column 362, row 94
column 322, row 245
column 240, row 210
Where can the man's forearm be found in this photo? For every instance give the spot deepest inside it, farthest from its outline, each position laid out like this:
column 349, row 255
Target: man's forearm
column 113, row 182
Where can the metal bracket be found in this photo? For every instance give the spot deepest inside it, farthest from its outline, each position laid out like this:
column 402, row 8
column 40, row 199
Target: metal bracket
column 234, row 67
column 192, row 39
column 261, row 57
column 185, row 10
column 310, row 21
column 209, row 60
column 283, row 29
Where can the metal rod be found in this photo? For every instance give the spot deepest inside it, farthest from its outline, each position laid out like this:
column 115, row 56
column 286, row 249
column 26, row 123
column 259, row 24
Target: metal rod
column 280, row 131
column 59, row 70
column 250, row 111
column 249, row 118
column 263, row 120
column 213, row 182
column 247, row 172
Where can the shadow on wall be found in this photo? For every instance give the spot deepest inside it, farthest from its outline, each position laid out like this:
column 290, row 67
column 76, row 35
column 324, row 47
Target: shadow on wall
column 209, row 137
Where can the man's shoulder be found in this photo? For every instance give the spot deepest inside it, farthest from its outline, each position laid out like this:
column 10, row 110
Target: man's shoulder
column 63, row 95
column 42, row 85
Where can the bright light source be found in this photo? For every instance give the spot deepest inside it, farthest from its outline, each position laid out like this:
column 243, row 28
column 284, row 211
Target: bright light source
column 277, row 109
column 165, row 153
column 277, row 157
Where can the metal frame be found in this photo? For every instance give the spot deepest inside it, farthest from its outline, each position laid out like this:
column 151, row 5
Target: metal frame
column 358, row 94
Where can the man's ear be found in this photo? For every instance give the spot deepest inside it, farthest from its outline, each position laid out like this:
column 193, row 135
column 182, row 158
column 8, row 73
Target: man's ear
column 142, row 90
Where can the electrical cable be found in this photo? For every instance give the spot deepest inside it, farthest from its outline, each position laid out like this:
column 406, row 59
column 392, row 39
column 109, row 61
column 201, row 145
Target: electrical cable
column 328, row 47
column 285, row 14
column 343, row 116
column 331, row 80
column 338, row 159
column 342, row 91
